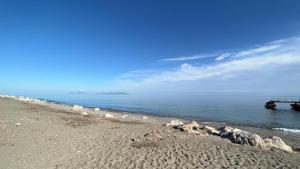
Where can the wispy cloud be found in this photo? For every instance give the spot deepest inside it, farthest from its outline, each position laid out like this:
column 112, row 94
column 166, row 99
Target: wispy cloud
column 234, row 54
column 185, row 58
column 251, row 52
column 269, row 57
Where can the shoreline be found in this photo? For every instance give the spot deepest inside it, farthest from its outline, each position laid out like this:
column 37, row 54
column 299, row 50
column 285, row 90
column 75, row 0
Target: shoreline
column 39, row 134
column 281, row 130
column 293, row 137
column 292, row 131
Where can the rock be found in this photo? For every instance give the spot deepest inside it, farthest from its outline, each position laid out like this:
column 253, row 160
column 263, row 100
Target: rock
column 18, row 124
column 76, row 108
column 24, row 99
column 107, row 115
column 242, row 137
column 173, row 123
column 38, row 101
column 124, row 116
column 96, row 109
column 211, row 130
column 144, row 117
column 191, row 127
column 277, row 142
column 84, row 114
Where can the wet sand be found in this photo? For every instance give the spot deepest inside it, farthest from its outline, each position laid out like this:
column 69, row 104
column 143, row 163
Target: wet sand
column 52, row 136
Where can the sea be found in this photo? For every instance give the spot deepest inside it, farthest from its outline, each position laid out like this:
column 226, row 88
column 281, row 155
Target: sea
column 237, row 108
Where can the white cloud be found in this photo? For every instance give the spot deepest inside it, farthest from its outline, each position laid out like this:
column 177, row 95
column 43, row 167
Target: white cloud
column 223, row 56
column 184, row 58
column 272, row 57
column 257, row 50
column 189, row 72
column 250, row 52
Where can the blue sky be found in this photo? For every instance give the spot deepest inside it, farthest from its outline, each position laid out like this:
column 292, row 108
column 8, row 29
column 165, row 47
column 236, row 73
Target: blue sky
column 142, row 46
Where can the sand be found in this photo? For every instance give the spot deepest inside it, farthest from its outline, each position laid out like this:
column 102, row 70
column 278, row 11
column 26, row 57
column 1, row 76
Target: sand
column 50, row 136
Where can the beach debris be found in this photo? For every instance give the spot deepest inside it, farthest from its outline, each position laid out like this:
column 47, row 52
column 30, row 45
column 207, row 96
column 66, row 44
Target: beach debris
column 77, row 107
column 18, row 124
column 84, row 114
column 96, row 109
column 242, row 137
column 107, row 115
column 277, row 142
column 144, row 117
column 173, row 123
column 191, row 127
column 211, row 130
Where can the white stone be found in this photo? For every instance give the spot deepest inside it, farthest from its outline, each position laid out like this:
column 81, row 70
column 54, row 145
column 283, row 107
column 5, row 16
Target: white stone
column 242, row 137
column 173, row 123
column 191, row 127
column 277, row 142
column 211, row 130
column 76, row 108
column 84, row 114
column 18, row 124
column 96, row 109
column 124, row 116
column 107, row 115
column 144, row 117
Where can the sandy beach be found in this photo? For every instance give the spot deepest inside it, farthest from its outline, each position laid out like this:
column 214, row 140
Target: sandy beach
column 52, row 136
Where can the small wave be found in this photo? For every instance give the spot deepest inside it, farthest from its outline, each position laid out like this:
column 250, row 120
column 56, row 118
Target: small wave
column 287, row 130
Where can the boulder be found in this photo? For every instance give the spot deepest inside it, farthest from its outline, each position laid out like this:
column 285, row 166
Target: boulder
column 173, row 123
column 24, row 99
column 277, row 142
column 124, row 116
column 107, row 115
column 144, row 117
column 84, row 114
column 191, row 127
column 242, row 137
column 211, row 130
column 76, row 108
column 18, row 124
column 96, row 109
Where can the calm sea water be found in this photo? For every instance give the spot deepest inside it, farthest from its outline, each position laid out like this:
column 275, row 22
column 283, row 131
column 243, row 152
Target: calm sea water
column 234, row 108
